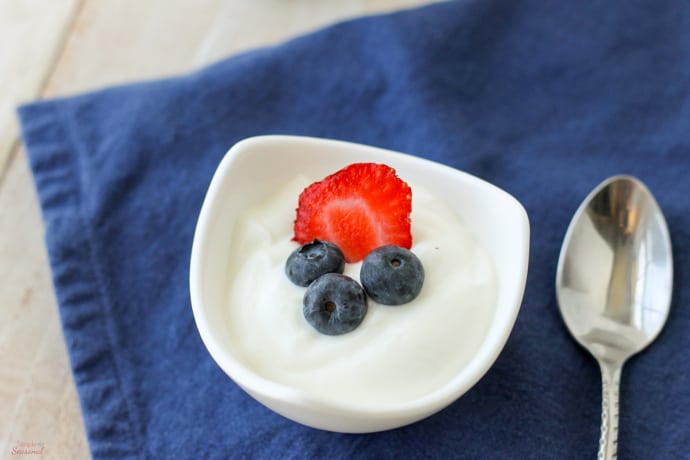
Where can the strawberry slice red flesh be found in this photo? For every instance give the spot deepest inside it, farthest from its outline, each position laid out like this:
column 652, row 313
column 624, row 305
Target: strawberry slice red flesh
column 359, row 208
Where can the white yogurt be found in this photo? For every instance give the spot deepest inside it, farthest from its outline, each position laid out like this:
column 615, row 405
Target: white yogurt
column 398, row 353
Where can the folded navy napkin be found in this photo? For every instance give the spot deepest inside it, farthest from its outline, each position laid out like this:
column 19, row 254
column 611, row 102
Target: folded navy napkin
column 543, row 99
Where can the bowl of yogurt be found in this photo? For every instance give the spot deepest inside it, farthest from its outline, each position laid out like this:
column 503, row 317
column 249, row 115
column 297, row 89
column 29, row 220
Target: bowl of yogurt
column 402, row 363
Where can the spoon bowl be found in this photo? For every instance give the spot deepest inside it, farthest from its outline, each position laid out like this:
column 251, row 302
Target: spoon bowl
column 614, row 283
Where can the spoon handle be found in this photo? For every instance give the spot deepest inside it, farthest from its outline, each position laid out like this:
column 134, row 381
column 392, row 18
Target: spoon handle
column 610, row 389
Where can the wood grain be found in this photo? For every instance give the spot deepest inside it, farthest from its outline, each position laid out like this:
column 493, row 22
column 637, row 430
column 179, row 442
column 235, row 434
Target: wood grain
column 116, row 42
column 31, row 36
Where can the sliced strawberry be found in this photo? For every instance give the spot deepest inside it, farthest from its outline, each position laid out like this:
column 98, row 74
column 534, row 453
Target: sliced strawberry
column 360, row 208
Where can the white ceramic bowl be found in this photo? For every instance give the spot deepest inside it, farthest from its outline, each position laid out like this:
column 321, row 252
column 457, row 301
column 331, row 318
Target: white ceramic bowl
column 253, row 170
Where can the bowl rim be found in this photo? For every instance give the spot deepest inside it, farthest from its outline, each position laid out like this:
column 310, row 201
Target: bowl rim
column 260, row 386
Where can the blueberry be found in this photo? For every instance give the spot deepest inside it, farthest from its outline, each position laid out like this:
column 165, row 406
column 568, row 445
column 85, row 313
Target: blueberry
column 334, row 304
column 312, row 260
column 392, row 275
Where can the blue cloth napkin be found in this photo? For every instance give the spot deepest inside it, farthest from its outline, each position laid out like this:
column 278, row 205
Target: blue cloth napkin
column 543, row 99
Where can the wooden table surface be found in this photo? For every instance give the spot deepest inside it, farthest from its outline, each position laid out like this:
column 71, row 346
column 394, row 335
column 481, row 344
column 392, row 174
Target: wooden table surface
column 62, row 47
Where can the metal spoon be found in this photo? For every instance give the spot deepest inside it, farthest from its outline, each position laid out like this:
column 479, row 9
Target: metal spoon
column 614, row 283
